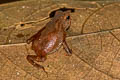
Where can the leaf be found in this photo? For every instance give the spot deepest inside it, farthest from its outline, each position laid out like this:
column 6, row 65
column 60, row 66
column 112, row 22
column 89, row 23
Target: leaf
column 93, row 37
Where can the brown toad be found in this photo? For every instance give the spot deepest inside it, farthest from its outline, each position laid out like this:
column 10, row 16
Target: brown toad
column 50, row 38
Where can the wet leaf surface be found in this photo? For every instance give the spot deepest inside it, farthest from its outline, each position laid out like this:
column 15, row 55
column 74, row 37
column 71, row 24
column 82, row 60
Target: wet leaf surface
column 93, row 37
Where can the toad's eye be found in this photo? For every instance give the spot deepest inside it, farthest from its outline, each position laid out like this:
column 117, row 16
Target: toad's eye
column 68, row 17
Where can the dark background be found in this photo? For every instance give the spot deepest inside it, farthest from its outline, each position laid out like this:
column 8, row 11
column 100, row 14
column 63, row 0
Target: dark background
column 7, row 1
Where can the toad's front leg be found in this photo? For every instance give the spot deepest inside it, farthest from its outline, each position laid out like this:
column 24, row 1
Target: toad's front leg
column 32, row 58
column 67, row 49
column 30, row 39
column 35, row 35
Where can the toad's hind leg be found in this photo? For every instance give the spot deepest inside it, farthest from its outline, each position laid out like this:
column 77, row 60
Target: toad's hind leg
column 32, row 58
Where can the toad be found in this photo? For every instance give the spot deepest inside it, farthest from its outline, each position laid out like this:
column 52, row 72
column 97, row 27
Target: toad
column 50, row 38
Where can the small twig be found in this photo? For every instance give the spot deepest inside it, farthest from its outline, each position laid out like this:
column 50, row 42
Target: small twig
column 29, row 22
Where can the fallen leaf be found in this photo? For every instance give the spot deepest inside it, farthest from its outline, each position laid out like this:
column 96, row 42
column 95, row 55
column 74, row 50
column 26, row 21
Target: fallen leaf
column 93, row 37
